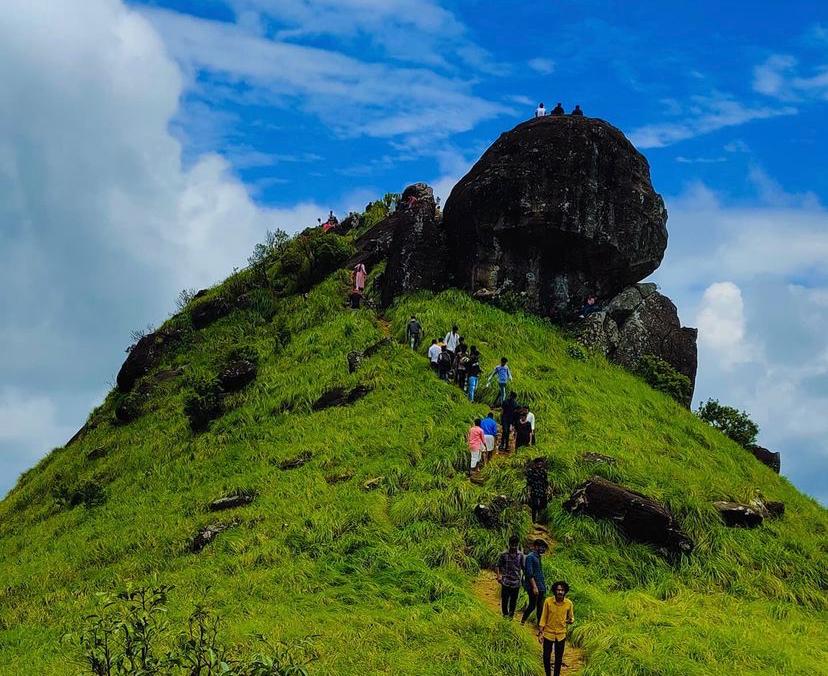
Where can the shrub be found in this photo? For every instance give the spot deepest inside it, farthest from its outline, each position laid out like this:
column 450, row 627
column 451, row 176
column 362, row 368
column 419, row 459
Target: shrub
column 88, row 493
column 184, row 297
column 204, row 404
column 661, row 376
column 576, row 352
column 732, row 422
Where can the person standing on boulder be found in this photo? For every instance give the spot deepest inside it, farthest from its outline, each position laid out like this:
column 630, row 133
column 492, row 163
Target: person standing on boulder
column 504, row 375
column 577, row 112
column 473, row 371
column 540, row 111
column 413, row 331
column 558, row 110
column 558, row 613
column 477, row 444
column 509, row 573
column 533, row 580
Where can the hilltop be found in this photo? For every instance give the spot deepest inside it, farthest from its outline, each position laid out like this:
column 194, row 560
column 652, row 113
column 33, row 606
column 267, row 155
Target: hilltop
column 357, row 530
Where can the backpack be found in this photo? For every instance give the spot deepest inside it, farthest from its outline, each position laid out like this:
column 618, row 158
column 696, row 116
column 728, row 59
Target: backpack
column 464, row 363
column 444, row 359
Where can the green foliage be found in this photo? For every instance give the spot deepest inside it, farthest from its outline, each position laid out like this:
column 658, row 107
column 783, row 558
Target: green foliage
column 576, row 352
column 661, row 376
column 730, row 421
column 129, row 635
column 307, row 259
column 89, row 493
column 383, row 571
column 203, row 404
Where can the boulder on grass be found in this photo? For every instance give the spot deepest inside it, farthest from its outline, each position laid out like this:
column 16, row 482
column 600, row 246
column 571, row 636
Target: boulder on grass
column 208, row 311
column 770, row 458
column 489, row 515
column 339, row 396
column 237, row 375
column 640, row 518
column 144, row 356
column 736, row 515
column 297, row 461
column 207, row 534
column 231, row 501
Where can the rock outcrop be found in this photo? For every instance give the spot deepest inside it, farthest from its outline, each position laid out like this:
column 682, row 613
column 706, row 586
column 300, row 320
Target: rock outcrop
column 640, row 518
column 770, row 458
column 558, row 208
column 736, row 515
column 640, row 321
column 144, row 356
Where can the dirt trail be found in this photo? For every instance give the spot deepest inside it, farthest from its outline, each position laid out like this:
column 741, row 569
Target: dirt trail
column 487, row 590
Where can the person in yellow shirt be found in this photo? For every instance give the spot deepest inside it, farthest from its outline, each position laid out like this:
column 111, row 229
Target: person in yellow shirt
column 557, row 614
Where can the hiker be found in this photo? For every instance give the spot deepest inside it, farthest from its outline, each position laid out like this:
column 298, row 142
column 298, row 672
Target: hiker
column 533, row 581
column 452, row 340
column 473, row 371
column 530, row 417
column 558, row 612
column 477, row 444
column 461, row 364
column 537, row 486
column 413, row 331
column 489, row 426
column 504, row 375
column 540, row 111
column 509, row 572
column 355, row 298
column 444, row 363
column 558, row 110
column 434, row 354
column 360, row 273
column 523, row 429
column 577, row 112
column 507, row 418
column 589, row 307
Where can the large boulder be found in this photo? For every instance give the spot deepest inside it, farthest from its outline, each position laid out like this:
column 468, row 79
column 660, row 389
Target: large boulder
column 770, row 458
column 417, row 258
column 640, row 321
column 558, row 208
column 144, row 356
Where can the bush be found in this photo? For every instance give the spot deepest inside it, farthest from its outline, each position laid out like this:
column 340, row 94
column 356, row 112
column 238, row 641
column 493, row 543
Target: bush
column 661, row 376
column 87, row 494
column 576, row 352
column 734, row 423
column 204, row 404
column 129, row 634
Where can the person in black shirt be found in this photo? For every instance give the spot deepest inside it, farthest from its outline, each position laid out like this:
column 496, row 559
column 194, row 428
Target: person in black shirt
column 537, row 484
column 444, row 363
column 507, row 419
column 523, row 429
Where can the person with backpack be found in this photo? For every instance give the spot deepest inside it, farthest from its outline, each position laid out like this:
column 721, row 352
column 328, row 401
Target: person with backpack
column 452, row 340
column 558, row 613
column 461, row 365
column 533, row 581
column 473, row 371
column 434, row 355
column 444, row 363
column 537, row 486
column 413, row 332
column 509, row 571
column 504, row 375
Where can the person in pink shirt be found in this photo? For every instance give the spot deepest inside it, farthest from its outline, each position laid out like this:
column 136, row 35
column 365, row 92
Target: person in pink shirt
column 477, row 444
column 360, row 273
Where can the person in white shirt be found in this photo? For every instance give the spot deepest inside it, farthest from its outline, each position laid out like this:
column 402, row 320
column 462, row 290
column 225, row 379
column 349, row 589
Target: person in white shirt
column 530, row 418
column 451, row 340
column 434, row 354
column 540, row 111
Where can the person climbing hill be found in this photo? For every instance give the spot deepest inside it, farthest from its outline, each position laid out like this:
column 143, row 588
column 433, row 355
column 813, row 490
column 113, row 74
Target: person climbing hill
column 533, row 580
column 537, row 486
column 558, row 613
column 477, row 444
column 523, row 430
column 490, row 430
column 434, row 355
column 413, row 332
column 507, row 419
column 509, row 573
column 360, row 274
column 473, row 371
column 452, row 340
column 504, row 375
column 444, row 363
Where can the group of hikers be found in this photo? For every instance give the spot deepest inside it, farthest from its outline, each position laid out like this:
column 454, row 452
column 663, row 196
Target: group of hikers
column 554, row 614
column 540, row 111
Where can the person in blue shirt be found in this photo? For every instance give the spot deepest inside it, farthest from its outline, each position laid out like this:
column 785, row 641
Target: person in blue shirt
column 533, row 581
column 504, row 375
column 489, row 426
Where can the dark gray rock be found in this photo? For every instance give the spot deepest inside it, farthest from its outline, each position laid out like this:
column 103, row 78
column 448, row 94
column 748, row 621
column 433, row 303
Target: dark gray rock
column 354, row 360
column 640, row 518
column 209, row 533
column 736, row 515
column 339, row 396
column 557, row 208
column 770, row 458
column 599, row 458
column 97, row 453
column 489, row 515
column 297, row 461
column 640, row 321
column 776, row 509
column 237, row 376
column 145, row 355
column 206, row 312
column 231, row 501
column 417, row 258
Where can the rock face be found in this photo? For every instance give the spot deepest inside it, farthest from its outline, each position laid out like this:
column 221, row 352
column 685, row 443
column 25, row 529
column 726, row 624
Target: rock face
column 736, row 515
column 558, row 208
column 144, row 356
column 237, row 376
column 640, row 518
column 637, row 322
column 769, row 458
column 417, row 257
column 206, row 312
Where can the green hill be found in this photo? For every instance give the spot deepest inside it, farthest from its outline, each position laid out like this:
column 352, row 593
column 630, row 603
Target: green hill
column 370, row 549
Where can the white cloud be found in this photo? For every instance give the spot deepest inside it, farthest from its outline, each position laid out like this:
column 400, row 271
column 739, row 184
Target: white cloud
column 681, row 159
column 371, row 98
column 542, row 66
column 721, row 323
column 102, row 222
column 778, row 76
column 703, row 115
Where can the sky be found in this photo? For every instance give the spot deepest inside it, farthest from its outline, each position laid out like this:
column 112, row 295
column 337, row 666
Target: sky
column 146, row 146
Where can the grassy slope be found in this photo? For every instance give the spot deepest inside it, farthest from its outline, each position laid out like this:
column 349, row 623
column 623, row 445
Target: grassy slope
column 384, row 576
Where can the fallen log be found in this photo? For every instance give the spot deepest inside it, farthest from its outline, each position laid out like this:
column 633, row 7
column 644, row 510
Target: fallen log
column 640, row 518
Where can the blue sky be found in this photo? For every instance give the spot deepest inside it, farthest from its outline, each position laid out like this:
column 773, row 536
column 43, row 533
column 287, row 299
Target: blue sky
column 146, row 146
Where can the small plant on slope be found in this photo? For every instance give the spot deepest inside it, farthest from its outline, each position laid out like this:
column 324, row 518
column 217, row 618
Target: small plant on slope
column 732, row 422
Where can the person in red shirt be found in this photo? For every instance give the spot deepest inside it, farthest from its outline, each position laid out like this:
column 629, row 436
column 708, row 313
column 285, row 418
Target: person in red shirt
column 477, row 444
